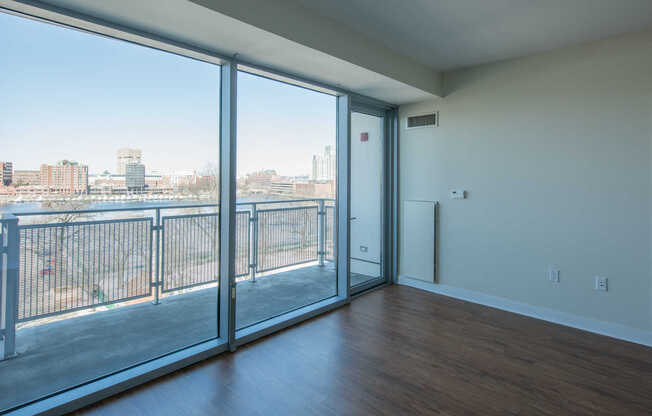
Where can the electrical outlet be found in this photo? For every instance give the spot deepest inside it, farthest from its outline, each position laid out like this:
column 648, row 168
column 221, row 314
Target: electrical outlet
column 364, row 249
column 553, row 273
column 601, row 283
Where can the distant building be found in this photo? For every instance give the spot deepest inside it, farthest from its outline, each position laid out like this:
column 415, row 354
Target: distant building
column 65, row 177
column 6, row 173
column 7, row 190
column 125, row 156
column 155, row 180
column 183, row 178
column 111, row 184
column 135, row 176
column 316, row 189
column 27, row 177
column 324, row 167
column 261, row 180
column 282, row 188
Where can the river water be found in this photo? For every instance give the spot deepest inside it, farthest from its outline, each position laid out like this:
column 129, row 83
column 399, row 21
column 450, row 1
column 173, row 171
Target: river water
column 128, row 209
column 19, row 207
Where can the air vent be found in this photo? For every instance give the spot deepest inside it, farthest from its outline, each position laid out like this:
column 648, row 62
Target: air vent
column 423, row 120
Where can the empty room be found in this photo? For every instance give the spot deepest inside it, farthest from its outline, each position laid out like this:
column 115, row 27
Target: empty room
column 302, row 207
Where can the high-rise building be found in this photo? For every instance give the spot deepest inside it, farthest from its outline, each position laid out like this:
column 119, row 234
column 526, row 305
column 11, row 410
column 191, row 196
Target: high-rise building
column 324, row 166
column 127, row 155
column 135, row 176
column 6, row 173
column 66, row 176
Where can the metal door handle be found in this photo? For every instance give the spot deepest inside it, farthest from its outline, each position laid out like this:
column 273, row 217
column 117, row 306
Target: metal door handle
column 353, row 218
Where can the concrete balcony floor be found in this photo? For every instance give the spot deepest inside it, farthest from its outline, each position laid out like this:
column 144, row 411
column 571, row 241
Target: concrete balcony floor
column 58, row 355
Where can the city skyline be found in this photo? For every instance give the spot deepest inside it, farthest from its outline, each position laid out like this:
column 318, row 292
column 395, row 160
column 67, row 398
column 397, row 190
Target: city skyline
column 321, row 162
column 130, row 178
column 107, row 94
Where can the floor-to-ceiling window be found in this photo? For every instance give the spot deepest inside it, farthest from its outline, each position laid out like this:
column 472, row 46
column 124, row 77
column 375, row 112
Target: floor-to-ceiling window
column 286, row 198
column 110, row 161
column 117, row 166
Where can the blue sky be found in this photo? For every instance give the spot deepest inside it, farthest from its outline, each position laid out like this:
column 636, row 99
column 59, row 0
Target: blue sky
column 66, row 94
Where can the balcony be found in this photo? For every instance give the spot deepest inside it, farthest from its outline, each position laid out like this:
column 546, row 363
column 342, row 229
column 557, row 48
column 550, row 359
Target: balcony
column 93, row 297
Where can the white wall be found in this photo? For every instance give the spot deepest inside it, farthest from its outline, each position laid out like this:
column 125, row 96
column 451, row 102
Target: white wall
column 555, row 153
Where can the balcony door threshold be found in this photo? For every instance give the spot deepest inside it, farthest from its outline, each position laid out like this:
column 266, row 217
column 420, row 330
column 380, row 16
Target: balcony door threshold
column 370, row 284
column 78, row 397
column 278, row 323
column 367, row 287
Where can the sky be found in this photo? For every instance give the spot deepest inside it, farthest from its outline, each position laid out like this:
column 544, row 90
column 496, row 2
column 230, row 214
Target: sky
column 67, row 94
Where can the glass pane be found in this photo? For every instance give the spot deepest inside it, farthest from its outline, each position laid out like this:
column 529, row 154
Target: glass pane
column 114, row 149
column 286, row 198
column 366, row 197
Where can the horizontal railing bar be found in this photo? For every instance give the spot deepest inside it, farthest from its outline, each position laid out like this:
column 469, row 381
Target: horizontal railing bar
column 208, row 282
column 173, row 217
column 161, row 207
column 284, row 201
column 288, row 208
column 70, row 224
column 95, row 211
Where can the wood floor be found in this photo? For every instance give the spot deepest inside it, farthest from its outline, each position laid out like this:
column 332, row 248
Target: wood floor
column 401, row 351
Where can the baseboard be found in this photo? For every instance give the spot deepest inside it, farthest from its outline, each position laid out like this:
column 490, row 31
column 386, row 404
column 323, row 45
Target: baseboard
column 618, row 331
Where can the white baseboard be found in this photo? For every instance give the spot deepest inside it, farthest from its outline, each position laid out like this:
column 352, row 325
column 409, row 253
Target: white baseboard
column 618, row 331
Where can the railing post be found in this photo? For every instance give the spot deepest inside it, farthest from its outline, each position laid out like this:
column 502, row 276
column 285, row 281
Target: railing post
column 9, row 248
column 157, row 274
column 321, row 215
column 254, row 242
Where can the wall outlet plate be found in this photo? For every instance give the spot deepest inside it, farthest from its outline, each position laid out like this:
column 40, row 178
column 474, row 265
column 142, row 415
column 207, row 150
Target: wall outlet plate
column 601, row 283
column 553, row 274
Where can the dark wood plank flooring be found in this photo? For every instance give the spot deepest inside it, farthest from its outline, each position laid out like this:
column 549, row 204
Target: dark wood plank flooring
column 401, row 351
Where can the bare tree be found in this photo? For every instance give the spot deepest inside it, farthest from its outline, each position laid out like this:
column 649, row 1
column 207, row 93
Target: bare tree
column 69, row 207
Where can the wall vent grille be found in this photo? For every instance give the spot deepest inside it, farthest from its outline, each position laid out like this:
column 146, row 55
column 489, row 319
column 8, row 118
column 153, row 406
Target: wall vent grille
column 423, row 120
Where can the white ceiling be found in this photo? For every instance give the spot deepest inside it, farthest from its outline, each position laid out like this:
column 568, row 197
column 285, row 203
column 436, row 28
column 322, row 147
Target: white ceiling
column 450, row 34
column 391, row 50
column 189, row 23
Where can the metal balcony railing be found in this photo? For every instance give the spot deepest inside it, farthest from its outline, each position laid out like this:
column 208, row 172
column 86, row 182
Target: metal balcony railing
column 62, row 265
